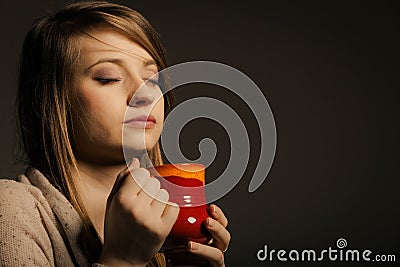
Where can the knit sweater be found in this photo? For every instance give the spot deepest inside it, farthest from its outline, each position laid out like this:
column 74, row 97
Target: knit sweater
column 40, row 227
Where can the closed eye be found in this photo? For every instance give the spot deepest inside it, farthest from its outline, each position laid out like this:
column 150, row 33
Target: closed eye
column 158, row 84
column 107, row 80
column 155, row 82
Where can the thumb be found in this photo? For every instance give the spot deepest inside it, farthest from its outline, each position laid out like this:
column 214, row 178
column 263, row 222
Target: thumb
column 133, row 164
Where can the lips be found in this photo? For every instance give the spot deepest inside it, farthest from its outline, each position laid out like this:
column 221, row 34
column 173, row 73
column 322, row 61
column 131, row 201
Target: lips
column 142, row 121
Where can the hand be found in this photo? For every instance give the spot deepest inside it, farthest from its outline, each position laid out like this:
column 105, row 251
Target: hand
column 136, row 224
column 216, row 225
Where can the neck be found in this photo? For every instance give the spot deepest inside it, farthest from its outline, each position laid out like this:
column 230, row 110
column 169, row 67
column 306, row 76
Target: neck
column 94, row 184
column 99, row 177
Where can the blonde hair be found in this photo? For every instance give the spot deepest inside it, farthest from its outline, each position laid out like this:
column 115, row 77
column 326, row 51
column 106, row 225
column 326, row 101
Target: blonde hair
column 48, row 57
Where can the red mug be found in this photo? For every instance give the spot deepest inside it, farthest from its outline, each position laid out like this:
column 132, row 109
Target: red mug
column 185, row 185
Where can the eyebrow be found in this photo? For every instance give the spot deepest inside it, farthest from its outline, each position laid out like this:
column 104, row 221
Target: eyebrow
column 118, row 61
column 104, row 60
column 149, row 63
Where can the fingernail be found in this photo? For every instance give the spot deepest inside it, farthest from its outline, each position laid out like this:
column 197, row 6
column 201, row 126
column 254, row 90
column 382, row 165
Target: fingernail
column 140, row 175
column 193, row 245
column 213, row 208
column 173, row 204
column 210, row 222
column 133, row 164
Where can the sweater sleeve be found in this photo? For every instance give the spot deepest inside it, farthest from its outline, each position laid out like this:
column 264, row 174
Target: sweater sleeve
column 23, row 237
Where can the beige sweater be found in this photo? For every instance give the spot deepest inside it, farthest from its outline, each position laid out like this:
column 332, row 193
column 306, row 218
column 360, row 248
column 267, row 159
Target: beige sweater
column 39, row 226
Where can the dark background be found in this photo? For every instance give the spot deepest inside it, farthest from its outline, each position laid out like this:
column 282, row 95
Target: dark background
column 330, row 72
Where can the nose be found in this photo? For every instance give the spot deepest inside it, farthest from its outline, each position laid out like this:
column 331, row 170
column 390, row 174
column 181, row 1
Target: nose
column 143, row 96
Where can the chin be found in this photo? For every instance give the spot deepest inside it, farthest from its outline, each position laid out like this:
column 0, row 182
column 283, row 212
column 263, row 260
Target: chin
column 134, row 143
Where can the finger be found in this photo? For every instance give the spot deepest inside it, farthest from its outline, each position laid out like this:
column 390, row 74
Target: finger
column 220, row 235
column 217, row 214
column 149, row 191
column 133, row 164
column 130, row 188
column 170, row 213
column 158, row 204
column 213, row 255
column 140, row 177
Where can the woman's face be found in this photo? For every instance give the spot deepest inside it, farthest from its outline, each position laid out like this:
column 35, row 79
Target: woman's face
column 107, row 105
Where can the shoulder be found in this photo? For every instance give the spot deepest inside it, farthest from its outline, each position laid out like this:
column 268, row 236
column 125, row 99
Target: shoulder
column 19, row 206
column 22, row 205
column 23, row 236
column 15, row 195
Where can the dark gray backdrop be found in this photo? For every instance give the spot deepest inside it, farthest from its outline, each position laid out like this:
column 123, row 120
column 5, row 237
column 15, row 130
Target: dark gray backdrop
column 330, row 73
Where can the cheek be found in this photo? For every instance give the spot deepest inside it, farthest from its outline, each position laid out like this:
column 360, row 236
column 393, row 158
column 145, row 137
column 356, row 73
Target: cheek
column 98, row 111
column 90, row 101
column 97, row 103
column 160, row 109
column 158, row 113
column 86, row 103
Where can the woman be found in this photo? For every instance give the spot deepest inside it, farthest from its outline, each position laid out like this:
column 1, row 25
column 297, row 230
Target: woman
column 77, row 203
